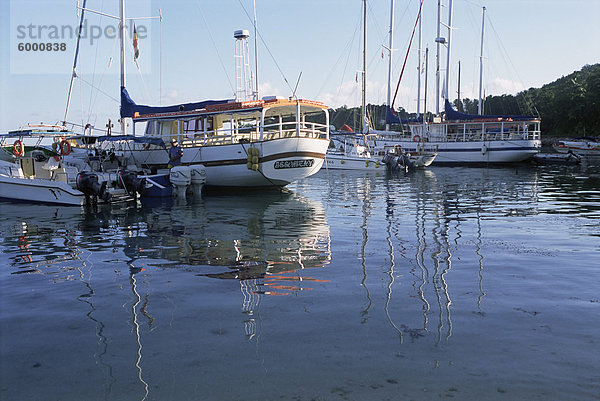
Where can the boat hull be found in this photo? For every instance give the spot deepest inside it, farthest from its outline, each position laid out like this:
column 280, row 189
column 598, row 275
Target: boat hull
column 39, row 191
column 341, row 162
column 582, row 148
column 280, row 161
column 475, row 152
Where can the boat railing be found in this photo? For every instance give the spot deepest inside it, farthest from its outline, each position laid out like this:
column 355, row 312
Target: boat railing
column 227, row 136
column 294, row 129
column 489, row 131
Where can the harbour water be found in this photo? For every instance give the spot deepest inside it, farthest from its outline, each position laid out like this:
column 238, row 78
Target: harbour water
column 467, row 283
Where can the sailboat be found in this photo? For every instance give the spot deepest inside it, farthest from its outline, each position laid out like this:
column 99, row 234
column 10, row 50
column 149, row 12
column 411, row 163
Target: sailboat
column 392, row 156
column 460, row 138
column 242, row 142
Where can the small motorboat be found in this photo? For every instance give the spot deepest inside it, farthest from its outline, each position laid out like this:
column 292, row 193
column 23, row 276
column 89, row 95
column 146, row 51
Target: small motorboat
column 557, row 158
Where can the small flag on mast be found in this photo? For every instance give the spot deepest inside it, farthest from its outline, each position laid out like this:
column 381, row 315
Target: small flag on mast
column 136, row 50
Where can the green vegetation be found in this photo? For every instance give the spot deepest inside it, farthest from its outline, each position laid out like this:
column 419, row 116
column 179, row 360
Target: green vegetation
column 568, row 107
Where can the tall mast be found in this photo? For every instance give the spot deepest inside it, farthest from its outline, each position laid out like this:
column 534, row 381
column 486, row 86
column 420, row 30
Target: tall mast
column 438, row 41
column 389, row 89
column 425, row 97
column 458, row 85
column 122, row 37
column 479, row 105
column 419, row 66
column 255, row 56
column 446, row 86
column 74, row 74
column 363, row 110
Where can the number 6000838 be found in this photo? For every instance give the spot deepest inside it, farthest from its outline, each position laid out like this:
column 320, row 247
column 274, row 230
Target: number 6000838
column 42, row 47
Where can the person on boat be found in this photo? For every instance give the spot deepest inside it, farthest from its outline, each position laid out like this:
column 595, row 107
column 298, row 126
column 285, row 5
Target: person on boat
column 175, row 154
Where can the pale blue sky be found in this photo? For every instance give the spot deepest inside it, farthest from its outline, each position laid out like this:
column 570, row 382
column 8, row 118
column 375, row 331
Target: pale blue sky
column 528, row 43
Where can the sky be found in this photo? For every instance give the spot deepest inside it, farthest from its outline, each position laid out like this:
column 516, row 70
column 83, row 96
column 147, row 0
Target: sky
column 312, row 46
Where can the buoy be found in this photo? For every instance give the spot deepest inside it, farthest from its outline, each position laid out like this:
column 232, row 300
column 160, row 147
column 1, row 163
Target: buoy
column 65, row 148
column 18, row 148
column 416, row 138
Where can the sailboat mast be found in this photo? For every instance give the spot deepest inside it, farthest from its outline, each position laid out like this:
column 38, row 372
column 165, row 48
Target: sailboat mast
column 122, row 37
column 419, row 66
column 438, row 41
column 458, row 86
column 425, row 96
column 364, row 72
column 389, row 89
column 479, row 105
column 74, row 74
column 449, row 45
column 256, row 95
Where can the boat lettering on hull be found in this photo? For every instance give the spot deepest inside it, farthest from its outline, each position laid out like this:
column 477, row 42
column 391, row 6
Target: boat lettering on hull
column 294, row 163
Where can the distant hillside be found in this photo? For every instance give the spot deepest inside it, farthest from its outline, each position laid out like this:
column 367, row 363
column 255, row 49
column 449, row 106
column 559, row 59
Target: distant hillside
column 568, row 107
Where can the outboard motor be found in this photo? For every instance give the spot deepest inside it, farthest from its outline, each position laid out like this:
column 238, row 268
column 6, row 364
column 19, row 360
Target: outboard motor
column 131, row 182
column 88, row 184
column 180, row 177
column 198, row 173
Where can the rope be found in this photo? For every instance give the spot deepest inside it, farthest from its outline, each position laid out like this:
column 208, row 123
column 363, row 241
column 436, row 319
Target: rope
column 216, row 48
column 267, row 47
column 406, row 57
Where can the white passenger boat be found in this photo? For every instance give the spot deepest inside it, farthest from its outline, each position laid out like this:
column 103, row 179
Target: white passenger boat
column 471, row 139
column 261, row 143
column 458, row 138
column 245, row 142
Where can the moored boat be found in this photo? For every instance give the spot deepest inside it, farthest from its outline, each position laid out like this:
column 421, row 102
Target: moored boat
column 583, row 146
column 350, row 156
column 244, row 142
column 459, row 138
column 260, row 143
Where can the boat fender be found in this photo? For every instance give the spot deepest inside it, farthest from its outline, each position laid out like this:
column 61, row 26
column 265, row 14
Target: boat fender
column 65, row 148
column 377, row 164
column 366, row 163
column 253, row 157
column 416, row 138
column 18, row 148
column 483, row 150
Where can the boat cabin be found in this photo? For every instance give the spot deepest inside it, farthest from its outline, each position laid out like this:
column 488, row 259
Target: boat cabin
column 238, row 122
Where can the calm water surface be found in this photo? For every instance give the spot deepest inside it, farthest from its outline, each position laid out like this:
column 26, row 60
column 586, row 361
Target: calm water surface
column 475, row 284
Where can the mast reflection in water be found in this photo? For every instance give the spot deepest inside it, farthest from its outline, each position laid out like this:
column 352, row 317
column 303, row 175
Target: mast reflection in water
column 447, row 282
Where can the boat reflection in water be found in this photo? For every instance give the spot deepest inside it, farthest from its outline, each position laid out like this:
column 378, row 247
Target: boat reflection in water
column 261, row 240
column 260, row 236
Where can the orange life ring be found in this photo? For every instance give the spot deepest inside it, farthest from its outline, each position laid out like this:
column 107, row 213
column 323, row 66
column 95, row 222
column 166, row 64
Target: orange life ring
column 416, row 138
column 18, row 148
column 65, row 148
